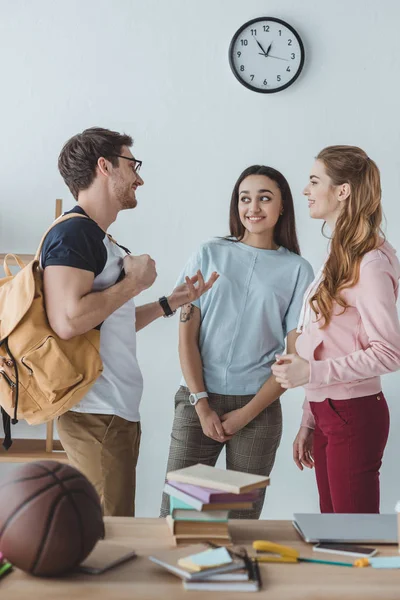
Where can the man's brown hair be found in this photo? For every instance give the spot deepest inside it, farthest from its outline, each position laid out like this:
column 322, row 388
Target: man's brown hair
column 78, row 159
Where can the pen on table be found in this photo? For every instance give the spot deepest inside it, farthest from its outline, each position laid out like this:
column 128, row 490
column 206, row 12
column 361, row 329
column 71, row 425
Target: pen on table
column 325, row 562
column 5, row 568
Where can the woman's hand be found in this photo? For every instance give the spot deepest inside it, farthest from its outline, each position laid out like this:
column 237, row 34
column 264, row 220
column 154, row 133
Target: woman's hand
column 303, row 448
column 234, row 421
column 211, row 424
column 291, row 371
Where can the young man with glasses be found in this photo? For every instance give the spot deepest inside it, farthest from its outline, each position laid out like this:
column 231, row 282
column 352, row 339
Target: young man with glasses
column 90, row 282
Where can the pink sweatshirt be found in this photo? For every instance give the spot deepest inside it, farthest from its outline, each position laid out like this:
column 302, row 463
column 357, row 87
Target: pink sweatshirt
column 348, row 357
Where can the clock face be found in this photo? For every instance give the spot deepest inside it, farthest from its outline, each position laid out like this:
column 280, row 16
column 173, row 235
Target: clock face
column 266, row 55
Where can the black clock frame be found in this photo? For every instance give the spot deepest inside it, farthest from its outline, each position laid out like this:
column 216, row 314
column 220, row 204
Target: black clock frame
column 233, row 42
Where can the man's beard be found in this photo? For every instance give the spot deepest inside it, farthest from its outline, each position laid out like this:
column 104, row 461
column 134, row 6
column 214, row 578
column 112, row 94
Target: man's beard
column 127, row 201
column 125, row 196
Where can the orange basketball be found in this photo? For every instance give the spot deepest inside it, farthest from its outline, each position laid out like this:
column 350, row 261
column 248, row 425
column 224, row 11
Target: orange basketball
column 50, row 518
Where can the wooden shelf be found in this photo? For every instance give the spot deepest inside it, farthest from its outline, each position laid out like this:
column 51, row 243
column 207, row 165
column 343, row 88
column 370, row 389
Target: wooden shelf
column 25, row 450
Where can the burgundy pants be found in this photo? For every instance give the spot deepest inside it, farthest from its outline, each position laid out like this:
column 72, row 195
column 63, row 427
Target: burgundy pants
column 349, row 439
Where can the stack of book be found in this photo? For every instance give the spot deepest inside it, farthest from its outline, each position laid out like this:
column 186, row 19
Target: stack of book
column 201, row 498
column 203, row 568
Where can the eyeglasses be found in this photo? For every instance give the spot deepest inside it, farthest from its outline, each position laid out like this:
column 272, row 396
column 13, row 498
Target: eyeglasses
column 138, row 163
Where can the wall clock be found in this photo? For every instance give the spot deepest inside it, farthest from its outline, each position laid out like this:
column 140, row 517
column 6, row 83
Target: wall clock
column 266, row 55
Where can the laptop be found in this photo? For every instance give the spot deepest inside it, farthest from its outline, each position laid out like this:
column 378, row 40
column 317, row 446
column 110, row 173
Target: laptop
column 347, row 528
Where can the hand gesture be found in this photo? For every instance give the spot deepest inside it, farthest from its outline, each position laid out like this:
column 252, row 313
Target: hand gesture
column 291, row 371
column 141, row 269
column 189, row 292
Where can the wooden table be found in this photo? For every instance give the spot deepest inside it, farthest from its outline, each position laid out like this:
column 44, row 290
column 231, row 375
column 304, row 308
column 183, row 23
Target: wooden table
column 143, row 580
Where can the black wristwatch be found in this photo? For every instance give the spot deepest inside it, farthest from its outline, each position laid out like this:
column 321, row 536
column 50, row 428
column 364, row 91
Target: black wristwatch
column 168, row 312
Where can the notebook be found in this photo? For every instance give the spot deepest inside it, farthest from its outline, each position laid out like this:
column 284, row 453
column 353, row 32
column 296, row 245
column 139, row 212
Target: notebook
column 212, row 557
column 106, row 555
column 235, row 482
column 241, row 575
column 347, row 528
column 252, row 584
column 169, row 560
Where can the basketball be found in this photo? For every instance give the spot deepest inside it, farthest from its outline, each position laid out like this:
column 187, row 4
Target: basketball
column 50, row 518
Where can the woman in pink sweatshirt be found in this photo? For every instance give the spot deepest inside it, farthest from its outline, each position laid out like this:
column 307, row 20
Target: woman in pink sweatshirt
column 350, row 336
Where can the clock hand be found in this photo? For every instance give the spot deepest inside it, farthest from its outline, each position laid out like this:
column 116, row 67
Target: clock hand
column 278, row 57
column 269, row 48
column 264, row 53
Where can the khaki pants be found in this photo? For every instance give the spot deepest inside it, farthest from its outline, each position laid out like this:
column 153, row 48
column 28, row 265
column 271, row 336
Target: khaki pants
column 105, row 448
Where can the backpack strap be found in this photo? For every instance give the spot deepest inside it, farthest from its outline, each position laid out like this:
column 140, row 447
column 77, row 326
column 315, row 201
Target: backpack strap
column 56, row 222
column 7, row 420
column 17, row 259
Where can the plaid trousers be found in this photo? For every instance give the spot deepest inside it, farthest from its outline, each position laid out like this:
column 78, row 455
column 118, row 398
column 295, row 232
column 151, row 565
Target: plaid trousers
column 252, row 449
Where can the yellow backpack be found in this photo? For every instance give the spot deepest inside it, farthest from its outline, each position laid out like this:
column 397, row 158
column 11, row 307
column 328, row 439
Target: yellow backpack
column 41, row 375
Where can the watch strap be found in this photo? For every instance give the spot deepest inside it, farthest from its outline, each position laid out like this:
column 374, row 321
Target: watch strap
column 197, row 397
column 168, row 312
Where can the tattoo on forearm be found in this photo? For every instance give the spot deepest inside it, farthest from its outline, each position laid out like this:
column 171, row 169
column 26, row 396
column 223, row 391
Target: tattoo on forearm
column 186, row 313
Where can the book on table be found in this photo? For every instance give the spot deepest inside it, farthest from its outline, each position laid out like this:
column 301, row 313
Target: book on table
column 235, row 502
column 235, row 482
column 236, row 574
column 188, row 540
column 207, row 559
column 228, row 582
column 240, row 575
column 180, row 511
column 213, row 495
column 226, row 585
column 168, row 559
column 205, row 529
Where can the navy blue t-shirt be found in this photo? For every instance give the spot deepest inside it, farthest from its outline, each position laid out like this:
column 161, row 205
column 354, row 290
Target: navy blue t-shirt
column 82, row 244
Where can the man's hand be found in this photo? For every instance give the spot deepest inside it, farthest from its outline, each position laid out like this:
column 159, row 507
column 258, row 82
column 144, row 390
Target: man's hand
column 291, row 371
column 234, row 421
column 188, row 292
column 211, row 424
column 303, row 448
column 141, row 270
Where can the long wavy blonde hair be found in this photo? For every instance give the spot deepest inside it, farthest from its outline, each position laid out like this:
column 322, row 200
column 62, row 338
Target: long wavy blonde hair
column 358, row 227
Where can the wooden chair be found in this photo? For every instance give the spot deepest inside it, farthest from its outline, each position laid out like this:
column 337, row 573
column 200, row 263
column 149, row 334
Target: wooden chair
column 27, row 450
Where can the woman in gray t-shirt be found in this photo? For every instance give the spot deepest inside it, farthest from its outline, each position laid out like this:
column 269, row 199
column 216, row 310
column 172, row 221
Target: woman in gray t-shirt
column 228, row 338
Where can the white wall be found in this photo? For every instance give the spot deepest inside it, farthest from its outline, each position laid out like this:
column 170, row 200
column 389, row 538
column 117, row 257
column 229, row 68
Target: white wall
column 159, row 71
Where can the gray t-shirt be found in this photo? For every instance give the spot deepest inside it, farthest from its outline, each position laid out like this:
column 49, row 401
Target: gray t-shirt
column 247, row 314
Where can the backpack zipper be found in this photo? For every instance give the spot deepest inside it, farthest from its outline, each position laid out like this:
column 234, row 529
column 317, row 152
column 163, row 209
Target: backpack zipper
column 26, row 366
